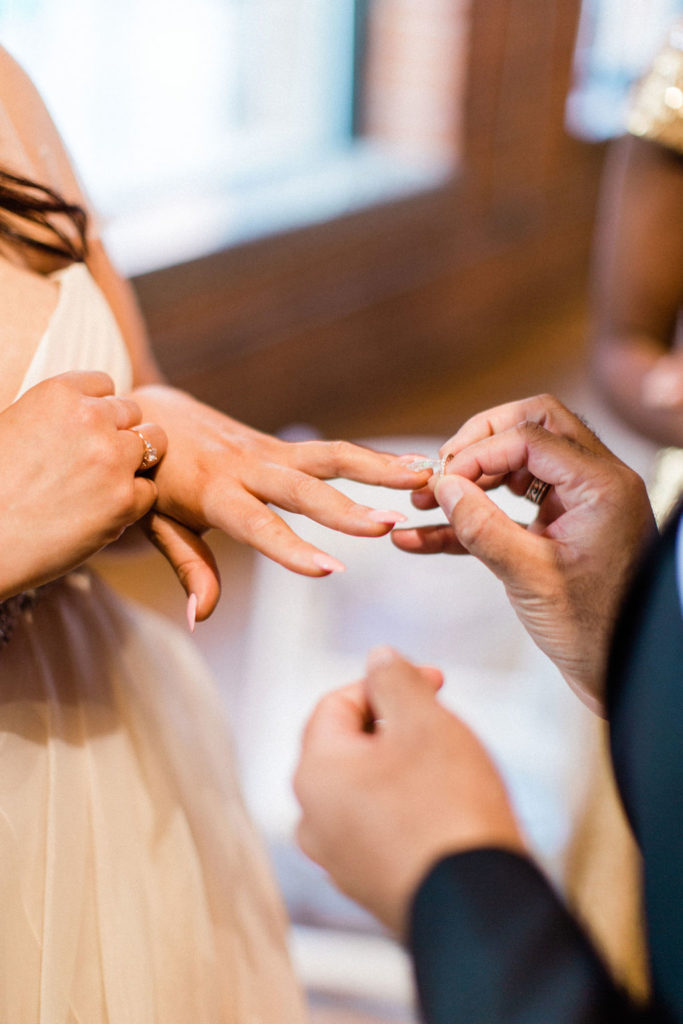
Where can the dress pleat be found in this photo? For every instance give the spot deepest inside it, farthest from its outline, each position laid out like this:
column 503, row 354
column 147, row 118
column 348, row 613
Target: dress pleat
column 134, row 888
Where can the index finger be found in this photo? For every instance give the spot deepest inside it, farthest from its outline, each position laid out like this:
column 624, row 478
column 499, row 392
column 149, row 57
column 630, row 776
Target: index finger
column 330, row 459
column 245, row 517
column 396, row 687
column 559, row 461
column 544, row 410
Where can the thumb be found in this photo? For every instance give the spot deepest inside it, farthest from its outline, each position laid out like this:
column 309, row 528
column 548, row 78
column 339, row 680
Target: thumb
column 190, row 557
column 485, row 530
column 395, row 688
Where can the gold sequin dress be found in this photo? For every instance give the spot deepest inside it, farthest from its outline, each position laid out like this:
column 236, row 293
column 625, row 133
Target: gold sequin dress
column 656, row 110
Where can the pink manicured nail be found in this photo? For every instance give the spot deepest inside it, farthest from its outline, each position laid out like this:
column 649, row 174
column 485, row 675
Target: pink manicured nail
column 384, row 515
column 192, row 611
column 328, row 563
column 411, row 457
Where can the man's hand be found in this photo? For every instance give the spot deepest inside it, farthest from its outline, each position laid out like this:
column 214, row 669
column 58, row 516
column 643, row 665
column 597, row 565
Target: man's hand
column 567, row 573
column 389, row 781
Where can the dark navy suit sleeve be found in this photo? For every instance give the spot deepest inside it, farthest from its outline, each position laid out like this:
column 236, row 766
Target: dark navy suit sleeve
column 492, row 943
column 491, row 940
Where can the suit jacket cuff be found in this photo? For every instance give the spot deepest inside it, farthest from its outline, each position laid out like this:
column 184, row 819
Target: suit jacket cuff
column 492, row 943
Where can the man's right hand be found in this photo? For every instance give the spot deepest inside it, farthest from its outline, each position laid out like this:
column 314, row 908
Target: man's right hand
column 567, row 573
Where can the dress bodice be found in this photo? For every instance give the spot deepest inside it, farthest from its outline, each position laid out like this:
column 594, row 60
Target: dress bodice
column 82, row 334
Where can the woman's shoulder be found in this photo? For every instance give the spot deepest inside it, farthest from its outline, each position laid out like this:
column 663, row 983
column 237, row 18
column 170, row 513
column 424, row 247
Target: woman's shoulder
column 30, row 144
column 17, row 91
column 23, row 113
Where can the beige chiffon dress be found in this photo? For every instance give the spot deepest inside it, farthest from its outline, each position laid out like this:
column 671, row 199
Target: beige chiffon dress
column 133, row 888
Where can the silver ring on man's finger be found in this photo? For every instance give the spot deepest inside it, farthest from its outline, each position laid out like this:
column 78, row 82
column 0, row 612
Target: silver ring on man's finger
column 536, row 491
column 150, row 455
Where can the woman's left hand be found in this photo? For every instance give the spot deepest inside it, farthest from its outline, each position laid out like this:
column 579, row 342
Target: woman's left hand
column 220, row 473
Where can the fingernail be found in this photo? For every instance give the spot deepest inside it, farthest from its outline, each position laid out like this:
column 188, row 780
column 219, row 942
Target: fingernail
column 384, row 515
column 411, row 457
column 328, row 563
column 380, row 656
column 448, row 493
column 192, row 611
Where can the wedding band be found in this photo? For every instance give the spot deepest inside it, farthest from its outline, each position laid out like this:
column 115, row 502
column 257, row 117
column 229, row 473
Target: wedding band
column 537, row 490
column 150, row 456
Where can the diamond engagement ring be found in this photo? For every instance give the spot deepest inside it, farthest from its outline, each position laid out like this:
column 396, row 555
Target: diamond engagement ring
column 150, row 456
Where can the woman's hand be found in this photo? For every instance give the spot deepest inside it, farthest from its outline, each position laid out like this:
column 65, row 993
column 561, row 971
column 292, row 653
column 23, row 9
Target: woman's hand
column 221, row 473
column 69, row 453
column 567, row 573
column 381, row 803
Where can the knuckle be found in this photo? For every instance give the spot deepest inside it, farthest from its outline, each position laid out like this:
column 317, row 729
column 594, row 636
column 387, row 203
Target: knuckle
column 88, row 414
column 128, row 408
column 261, row 523
column 61, row 383
column 530, row 430
column 60, row 391
column 302, row 487
column 340, row 452
column 101, row 456
column 548, row 405
column 203, row 473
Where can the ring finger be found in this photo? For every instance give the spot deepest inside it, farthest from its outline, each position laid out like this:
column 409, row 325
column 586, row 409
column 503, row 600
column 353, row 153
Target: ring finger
column 145, row 445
